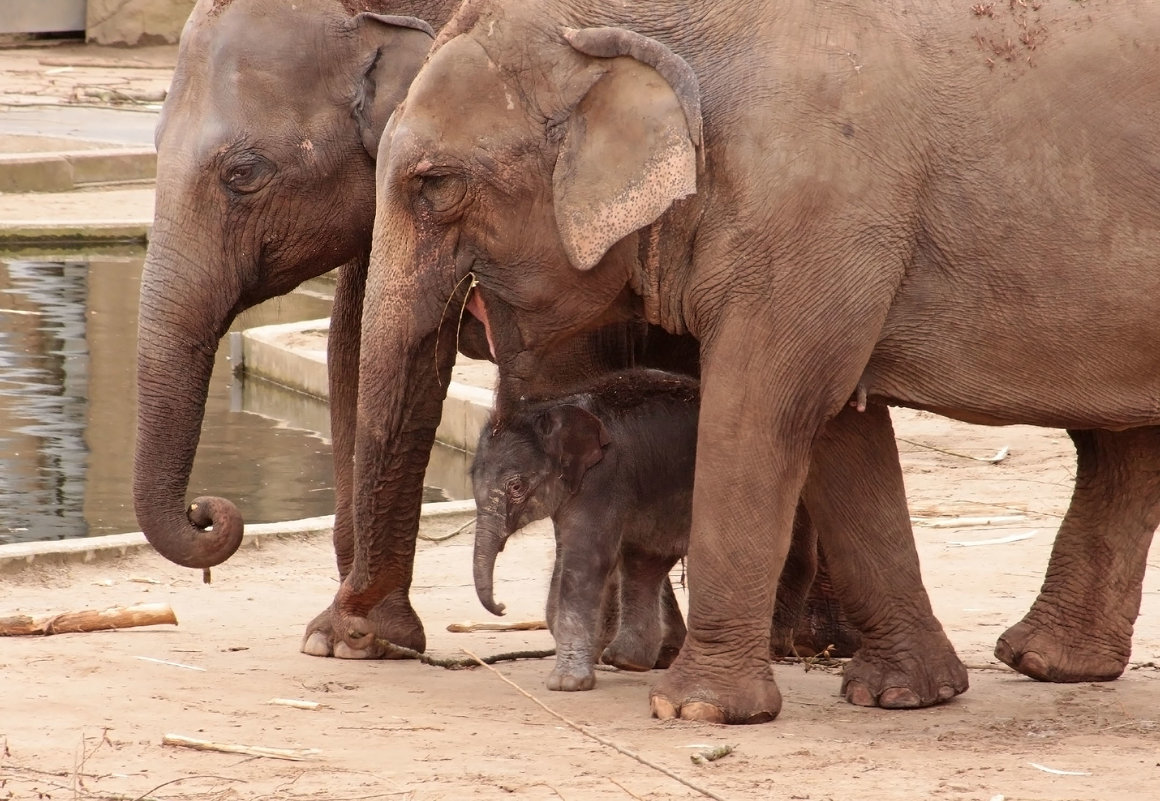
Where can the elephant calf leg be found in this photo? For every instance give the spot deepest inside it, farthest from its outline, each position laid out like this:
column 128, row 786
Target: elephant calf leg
column 1080, row 626
column 640, row 635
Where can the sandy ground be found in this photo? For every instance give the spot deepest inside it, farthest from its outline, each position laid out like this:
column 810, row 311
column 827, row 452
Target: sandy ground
column 82, row 715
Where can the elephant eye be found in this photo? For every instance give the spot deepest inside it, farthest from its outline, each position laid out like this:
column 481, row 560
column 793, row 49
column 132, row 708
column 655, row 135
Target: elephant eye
column 443, row 192
column 248, row 176
column 517, row 488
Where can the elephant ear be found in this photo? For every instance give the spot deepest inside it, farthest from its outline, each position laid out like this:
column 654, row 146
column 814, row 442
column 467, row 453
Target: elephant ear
column 394, row 49
column 630, row 144
column 574, row 439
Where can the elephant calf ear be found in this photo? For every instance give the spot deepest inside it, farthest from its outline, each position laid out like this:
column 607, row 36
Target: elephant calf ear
column 629, row 147
column 395, row 48
column 574, row 438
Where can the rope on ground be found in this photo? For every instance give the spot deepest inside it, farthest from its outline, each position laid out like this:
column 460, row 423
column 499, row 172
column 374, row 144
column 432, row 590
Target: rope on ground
column 602, row 740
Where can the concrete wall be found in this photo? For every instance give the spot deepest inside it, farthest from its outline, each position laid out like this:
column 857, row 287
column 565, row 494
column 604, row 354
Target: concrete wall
column 136, row 22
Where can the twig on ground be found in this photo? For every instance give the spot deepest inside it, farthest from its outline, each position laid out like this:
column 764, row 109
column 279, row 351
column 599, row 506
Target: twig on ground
column 144, row 796
column 468, row 626
column 446, row 537
column 295, row 703
column 587, row 733
column 967, row 522
column 459, row 663
column 622, row 787
column 999, row 456
column 292, row 754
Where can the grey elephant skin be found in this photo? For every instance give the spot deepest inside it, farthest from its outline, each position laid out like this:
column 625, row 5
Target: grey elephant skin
column 929, row 205
column 265, row 178
column 612, row 466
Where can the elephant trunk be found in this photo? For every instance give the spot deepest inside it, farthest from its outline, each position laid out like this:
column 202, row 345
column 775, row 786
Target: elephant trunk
column 489, row 541
column 407, row 352
column 178, row 331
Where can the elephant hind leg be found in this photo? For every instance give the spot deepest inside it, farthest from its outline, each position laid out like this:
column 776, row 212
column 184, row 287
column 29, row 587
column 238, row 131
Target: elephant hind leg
column 1080, row 626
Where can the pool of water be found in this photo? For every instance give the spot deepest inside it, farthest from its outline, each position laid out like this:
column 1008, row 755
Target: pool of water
column 68, row 326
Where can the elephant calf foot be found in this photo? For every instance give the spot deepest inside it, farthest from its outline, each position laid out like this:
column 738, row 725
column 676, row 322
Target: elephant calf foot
column 923, row 673
column 391, row 621
column 714, row 695
column 571, row 678
column 1051, row 654
column 630, row 653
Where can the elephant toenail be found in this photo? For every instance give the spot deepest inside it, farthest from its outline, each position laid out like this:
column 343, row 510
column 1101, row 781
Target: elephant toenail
column 662, row 708
column 703, row 712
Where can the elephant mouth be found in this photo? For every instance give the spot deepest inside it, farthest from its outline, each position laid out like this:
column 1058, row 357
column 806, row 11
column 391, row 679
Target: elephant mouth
column 478, row 310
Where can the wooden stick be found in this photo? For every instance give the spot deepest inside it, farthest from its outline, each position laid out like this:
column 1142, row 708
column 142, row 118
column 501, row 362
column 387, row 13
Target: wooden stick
column 116, row 617
column 468, row 626
column 603, row 741
column 293, row 754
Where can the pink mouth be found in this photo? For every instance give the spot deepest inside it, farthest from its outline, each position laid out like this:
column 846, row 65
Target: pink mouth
column 479, row 311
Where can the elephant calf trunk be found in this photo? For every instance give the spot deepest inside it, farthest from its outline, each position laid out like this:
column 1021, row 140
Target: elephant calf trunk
column 488, row 544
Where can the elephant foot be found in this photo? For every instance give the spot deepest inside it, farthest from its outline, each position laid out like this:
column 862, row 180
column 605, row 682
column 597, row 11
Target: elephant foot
column 1061, row 655
column 571, row 679
column 924, row 673
column 392, row 622
column 629, row 653
column 713, row 695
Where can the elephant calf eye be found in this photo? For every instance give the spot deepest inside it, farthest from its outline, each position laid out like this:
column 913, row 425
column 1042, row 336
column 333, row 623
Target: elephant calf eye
column 516, row 488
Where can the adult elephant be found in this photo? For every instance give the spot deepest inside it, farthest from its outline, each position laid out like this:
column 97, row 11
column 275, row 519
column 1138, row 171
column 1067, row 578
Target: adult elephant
column 266, row 151
column 265, row 178
column 929, row 206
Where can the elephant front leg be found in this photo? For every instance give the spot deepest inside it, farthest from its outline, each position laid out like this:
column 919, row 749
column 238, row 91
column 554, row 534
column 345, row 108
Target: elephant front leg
column 393, row 619
column 857, row 502
column 1080, row 626
column 584, row 561
column 750, row 469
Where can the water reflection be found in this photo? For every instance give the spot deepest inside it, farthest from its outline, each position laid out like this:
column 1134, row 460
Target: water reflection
column 68, row 408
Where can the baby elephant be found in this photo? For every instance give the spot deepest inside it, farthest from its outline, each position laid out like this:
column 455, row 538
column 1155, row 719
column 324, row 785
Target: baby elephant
column 613, row 467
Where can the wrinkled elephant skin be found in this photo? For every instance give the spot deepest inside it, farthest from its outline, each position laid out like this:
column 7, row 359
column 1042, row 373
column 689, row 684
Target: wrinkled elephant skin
column 929, row 207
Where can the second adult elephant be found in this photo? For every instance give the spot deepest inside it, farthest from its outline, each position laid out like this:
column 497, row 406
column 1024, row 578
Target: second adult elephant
column 838, row 203
column 266, row 152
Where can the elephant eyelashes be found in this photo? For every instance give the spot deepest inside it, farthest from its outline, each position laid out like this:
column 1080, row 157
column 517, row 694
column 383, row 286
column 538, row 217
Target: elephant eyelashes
column 443, row 192
column 247, row 177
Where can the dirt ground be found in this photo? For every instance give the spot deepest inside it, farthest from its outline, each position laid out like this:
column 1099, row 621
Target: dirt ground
column 82, row 715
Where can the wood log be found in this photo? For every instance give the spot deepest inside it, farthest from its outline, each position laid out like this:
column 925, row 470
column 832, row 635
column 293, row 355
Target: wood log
column 116, row 617
column 468, row 626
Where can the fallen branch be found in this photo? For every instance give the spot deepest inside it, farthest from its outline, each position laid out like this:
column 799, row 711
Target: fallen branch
column 587, row 733
column 292, row 754
column 116, row 617
column 468, row 626
column 393, row 651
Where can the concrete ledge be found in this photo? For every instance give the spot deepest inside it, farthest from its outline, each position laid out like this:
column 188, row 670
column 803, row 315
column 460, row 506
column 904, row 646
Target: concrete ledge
column 294, row 355
column 31, row 232
column 68, row 170
column 290, row 354
column 20, row 555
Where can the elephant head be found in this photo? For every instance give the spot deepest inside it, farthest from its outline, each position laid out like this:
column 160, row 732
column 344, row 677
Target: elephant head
column 524, row 470
column 535, row 165
column 265, row 177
